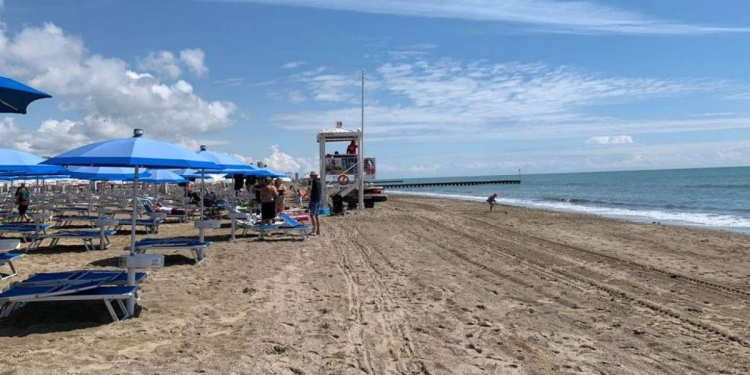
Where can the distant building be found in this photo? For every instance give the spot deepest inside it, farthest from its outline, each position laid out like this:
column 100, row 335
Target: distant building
column 296, row 176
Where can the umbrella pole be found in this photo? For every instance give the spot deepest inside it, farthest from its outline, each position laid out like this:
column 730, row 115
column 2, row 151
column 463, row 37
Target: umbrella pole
column 131, row 270
column 203, row 186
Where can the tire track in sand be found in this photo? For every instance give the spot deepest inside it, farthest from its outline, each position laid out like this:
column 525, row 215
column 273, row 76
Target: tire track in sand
column 354, row 310
column 396, row 321
column 655, row 307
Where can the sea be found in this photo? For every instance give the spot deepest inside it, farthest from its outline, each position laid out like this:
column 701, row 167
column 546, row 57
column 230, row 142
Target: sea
column 714, row 198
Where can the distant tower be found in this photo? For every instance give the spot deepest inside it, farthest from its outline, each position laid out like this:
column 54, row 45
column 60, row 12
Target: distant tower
column 261, row 165
column 296, row 176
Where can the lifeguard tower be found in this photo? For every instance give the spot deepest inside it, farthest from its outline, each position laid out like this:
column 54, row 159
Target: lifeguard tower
column 347, row 171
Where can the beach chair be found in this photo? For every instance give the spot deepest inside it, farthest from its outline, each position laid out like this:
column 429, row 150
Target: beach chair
column 28, row 231
column 105, row 286
column 86, row 235
column 80, row 211
column 152, row 226
column 288, row 224
column 197, row 247
column 169, row 215
column 9, row 258
column 68, row 220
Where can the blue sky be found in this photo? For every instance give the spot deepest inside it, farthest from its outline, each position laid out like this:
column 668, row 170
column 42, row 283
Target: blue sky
column 453, row 88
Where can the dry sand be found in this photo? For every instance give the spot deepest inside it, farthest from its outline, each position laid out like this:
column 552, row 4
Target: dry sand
column 413, row 286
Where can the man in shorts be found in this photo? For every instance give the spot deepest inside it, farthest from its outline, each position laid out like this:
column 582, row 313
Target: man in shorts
column 315, row 202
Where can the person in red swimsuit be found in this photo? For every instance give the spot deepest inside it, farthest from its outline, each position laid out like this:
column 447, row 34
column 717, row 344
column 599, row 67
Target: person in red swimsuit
column 352, row 148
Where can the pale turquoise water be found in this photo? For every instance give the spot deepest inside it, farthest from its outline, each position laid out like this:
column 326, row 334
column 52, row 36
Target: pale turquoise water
column 711, row 197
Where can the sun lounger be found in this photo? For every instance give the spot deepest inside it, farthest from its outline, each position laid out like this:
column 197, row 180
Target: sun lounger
column 86, row 235
column 197, row 247
column 105, row 286
column 29, row 231
column 67, row 220
column 77, row 210
column 169, row 215
column 9, row 258
column 152, row 226
column 108, row 277
column 288, row 225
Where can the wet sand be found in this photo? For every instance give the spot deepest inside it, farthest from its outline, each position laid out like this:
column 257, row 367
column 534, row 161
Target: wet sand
column 415, row 285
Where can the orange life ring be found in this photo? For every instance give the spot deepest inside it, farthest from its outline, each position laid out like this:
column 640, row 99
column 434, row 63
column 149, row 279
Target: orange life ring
column 343, row 180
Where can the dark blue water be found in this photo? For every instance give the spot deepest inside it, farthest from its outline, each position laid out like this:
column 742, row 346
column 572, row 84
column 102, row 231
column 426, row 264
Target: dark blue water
column 710, row 197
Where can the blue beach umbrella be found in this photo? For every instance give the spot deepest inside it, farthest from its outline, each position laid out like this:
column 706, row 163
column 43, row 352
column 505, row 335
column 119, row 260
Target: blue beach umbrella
column 102, row 173
column 161, row 176
column 15, row 96
column 136, row 152
column 24, row 163
column 258, row 172
column 274, row 173
column 187, row 173
column 225, row 161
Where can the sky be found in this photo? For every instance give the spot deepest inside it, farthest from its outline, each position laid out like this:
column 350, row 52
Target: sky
column 464, row 87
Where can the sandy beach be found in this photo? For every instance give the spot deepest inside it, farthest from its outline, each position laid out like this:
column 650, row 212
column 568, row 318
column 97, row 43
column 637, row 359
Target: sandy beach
column 416, row 285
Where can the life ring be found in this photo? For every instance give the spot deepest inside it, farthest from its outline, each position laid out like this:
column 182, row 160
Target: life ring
column 343, row 180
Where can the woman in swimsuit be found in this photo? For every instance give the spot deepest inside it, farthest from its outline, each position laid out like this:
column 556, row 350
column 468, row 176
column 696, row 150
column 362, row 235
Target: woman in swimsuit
column 281, row 190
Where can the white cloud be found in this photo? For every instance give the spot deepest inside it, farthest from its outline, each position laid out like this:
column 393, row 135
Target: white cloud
column 161, row 62
column 449, row 100
column 108, row 96
column 231, row 82
column 293, row 64
column 286, row 163
column 245, row 159
column 610, row 140
column 295, row 96
column 589, row 159
column 330, row 87
column 194, row 59
column 544, row 15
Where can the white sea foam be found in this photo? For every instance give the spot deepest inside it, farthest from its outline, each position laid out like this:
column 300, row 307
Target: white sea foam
column 665, row 217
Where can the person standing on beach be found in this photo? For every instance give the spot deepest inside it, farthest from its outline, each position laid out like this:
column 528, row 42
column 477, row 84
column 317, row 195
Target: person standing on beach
column 491, row 201
column 315, row 201
column 268, row 195
column 22, row 199
column 281, row 189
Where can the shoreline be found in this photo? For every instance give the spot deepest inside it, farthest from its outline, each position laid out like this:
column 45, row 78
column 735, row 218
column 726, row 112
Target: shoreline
column 744, row 230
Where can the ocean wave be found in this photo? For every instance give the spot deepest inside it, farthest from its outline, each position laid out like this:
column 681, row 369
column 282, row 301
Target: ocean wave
column 647, row 215
column 720, row 186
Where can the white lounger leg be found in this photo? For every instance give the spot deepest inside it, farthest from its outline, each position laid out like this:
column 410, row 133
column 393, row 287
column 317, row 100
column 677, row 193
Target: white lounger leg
column 124, row 310
column 13, row 271
column 111, row 311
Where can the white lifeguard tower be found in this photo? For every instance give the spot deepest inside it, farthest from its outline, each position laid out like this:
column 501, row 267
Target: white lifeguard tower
column 343, row 166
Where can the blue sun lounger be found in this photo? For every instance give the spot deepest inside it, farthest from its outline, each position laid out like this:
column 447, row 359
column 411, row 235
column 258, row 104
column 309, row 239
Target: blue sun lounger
column 68, row 220
column 86, row 235
column 289, row 225
column 28, row 230
column 105, row 286
column 152, row 226
column 197, row 247
column 9, row 258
